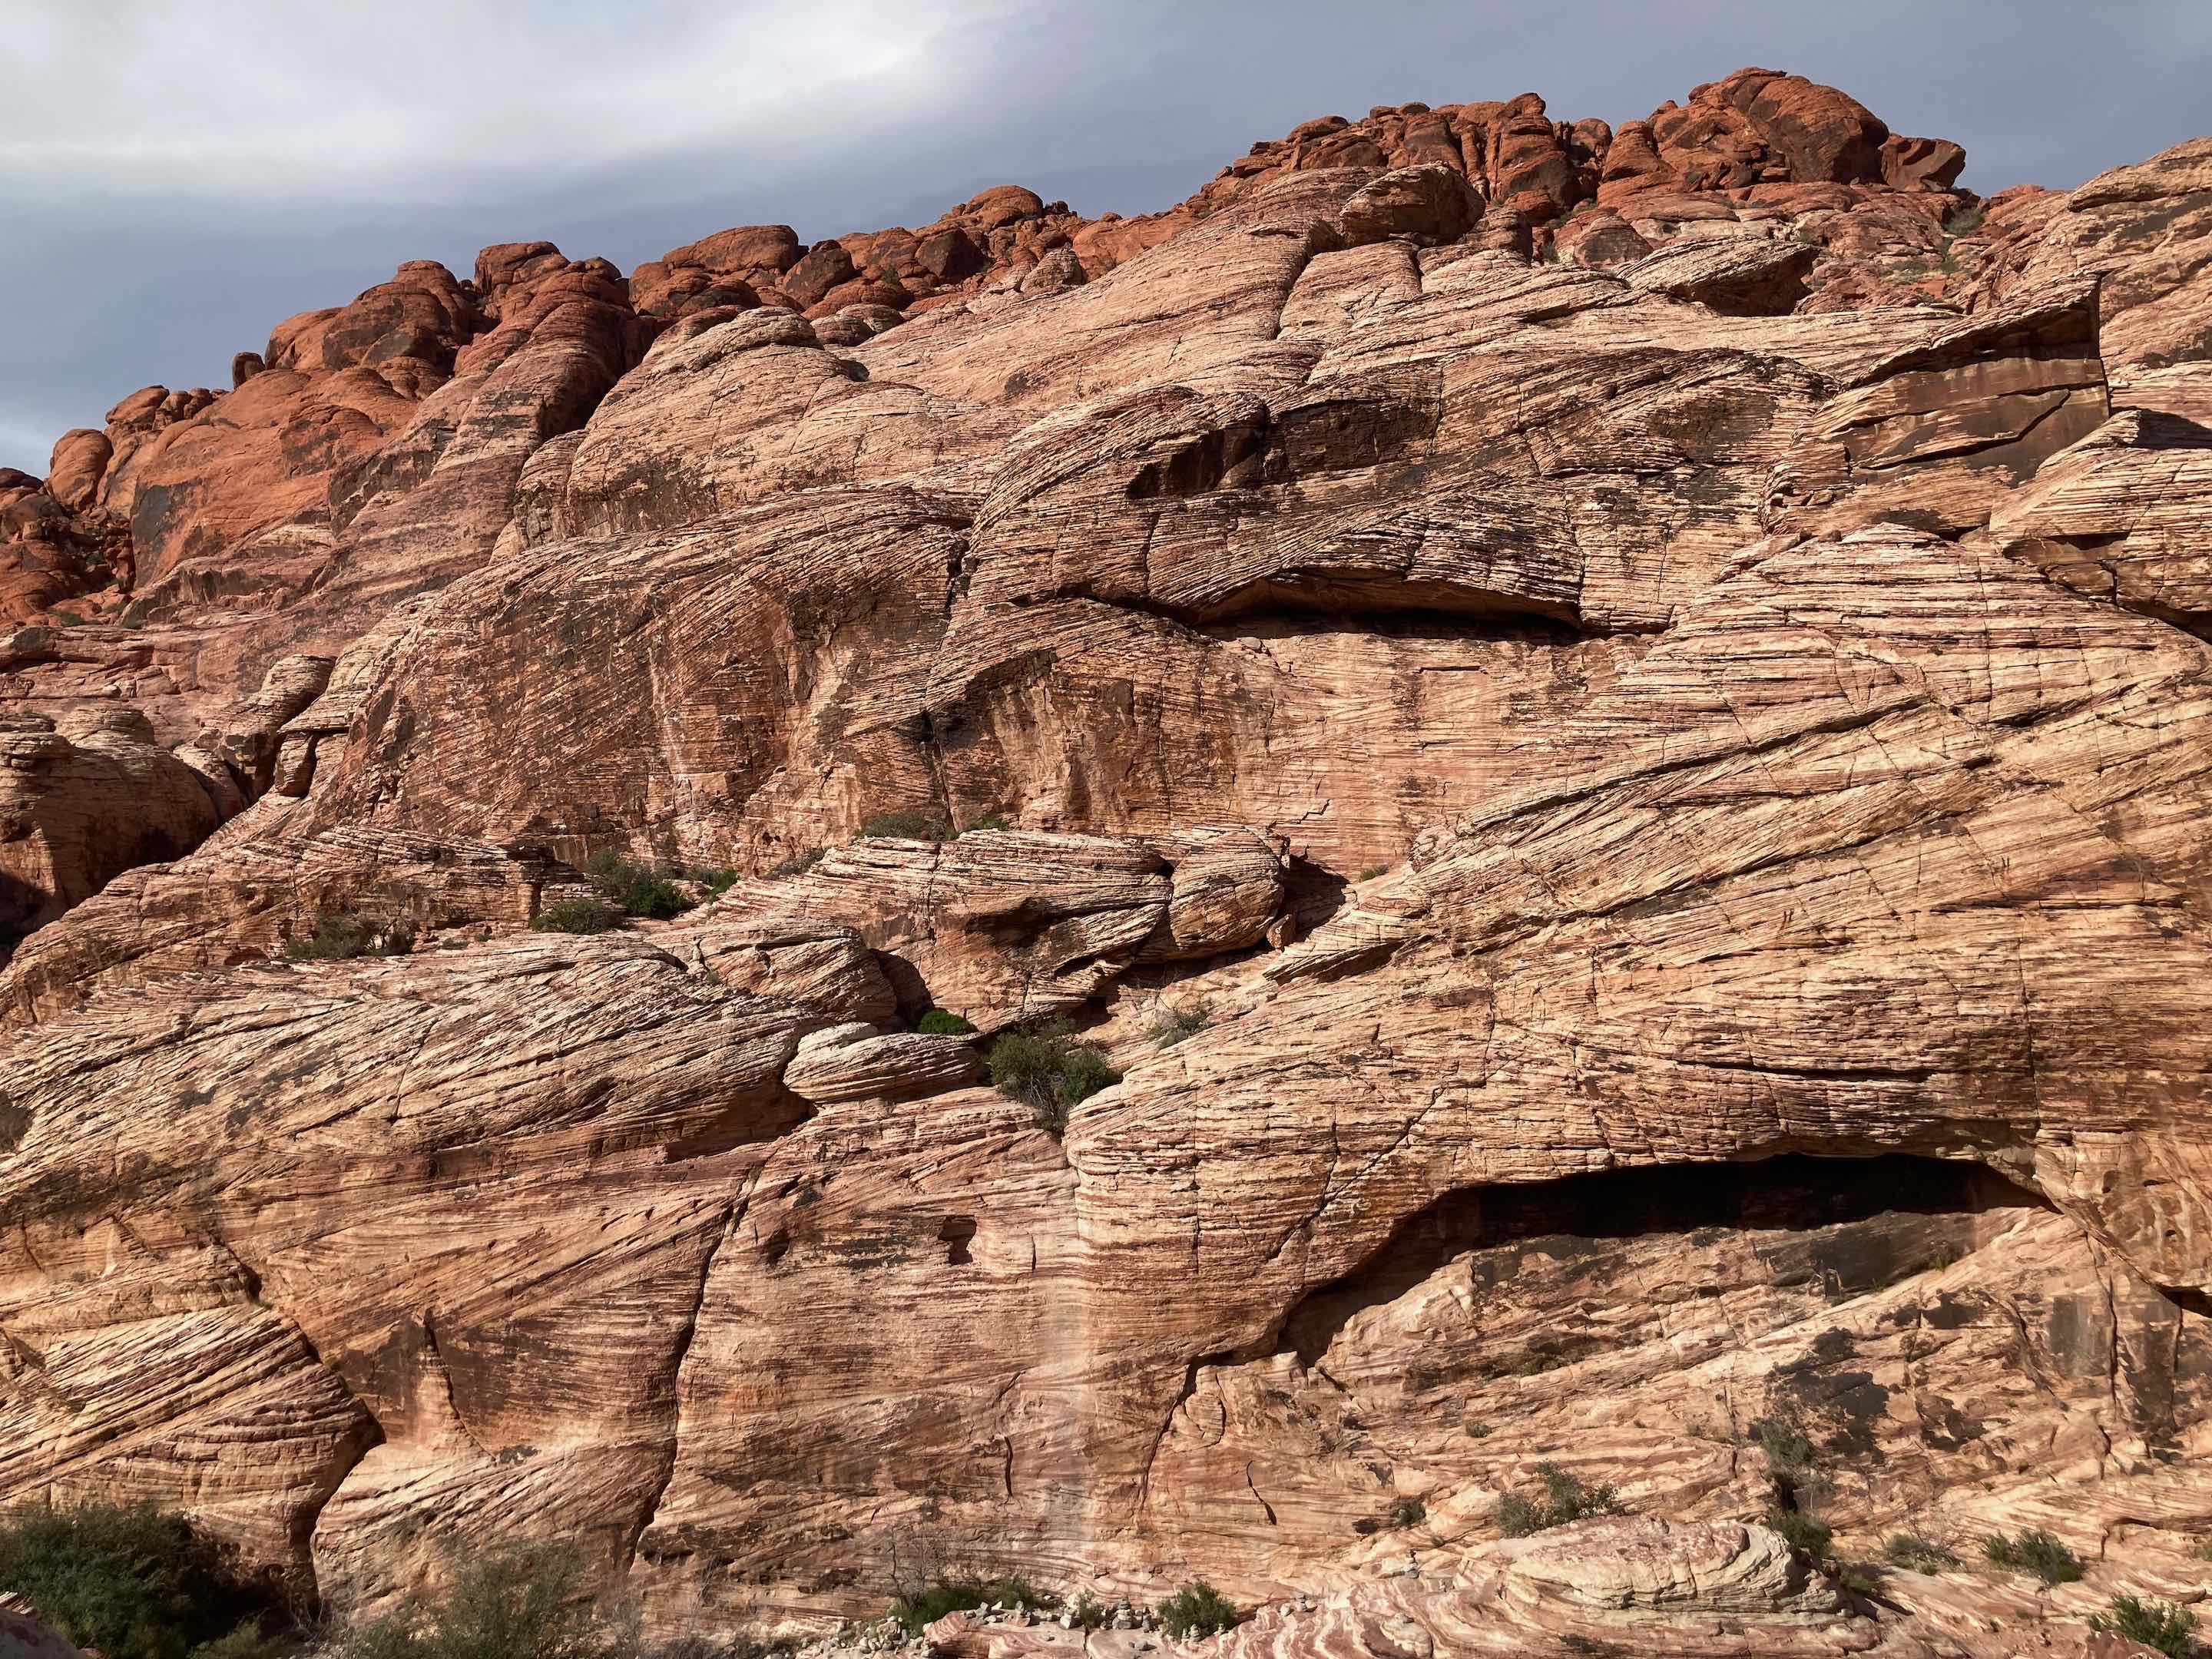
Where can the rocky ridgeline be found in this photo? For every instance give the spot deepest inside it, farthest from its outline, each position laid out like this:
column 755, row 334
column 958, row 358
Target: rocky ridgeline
column 1507, row 802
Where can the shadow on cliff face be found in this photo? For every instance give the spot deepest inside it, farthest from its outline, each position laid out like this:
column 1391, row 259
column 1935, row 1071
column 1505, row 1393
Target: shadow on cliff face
column 1839, row 1213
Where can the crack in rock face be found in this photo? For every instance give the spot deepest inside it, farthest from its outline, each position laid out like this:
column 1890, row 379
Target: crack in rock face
column 1465, row 888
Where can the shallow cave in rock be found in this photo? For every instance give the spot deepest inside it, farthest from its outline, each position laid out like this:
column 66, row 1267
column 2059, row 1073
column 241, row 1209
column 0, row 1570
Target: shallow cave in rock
column 1381, row 601
column 1793, row 1194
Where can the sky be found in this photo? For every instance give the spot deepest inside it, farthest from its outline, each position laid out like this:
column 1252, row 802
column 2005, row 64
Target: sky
column 178, row 176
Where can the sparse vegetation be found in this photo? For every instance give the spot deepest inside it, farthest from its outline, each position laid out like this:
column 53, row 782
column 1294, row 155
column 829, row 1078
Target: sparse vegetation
column 1860, row 1581
column 1088, row 1612
column 1786, row 1447
column 995, row 821
column 914, row 1612
column 2035, row 1552
column 69, row 619
column 1916, row 1554
column 1801, row 1530
column 626, row 888
column 1047, row 1068
column 1197, row 1610
column 1177, row 1023
column 1566, row 1498
column 1373, row 871
column 941, row 1022
column 1408, row 1512
column 2155, row 1624
column 339, row 937
column 1965, row 221
column 520, row 1601
column 798, row 863
column 1479, row 1431
column 637, row 890
column 582, row 914
column 905, row 826
column 134, row 1582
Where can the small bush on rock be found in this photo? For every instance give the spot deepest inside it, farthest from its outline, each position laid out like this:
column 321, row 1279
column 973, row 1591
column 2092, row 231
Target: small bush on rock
column 340, row 938
column 1910, row 1551
column 1564, row 1499
column 1088, row 1612
column 996, row 821
column 2155, row 1624
column 1408, row 1512
column 132, row 1582
column 1197, row 1610
column 519, row 1601
column 904, row 826
column 798, row 863
column 1785, row 1446
column 637, row 890
column 580, row 914
column 917, row 1611
column 1178, row 1023
column 941, row 1022
column 1043, row 1066
column 2035, row 1552
column 1802, row 1531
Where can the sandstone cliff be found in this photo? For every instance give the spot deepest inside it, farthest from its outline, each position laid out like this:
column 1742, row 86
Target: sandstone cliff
column 1608, row 727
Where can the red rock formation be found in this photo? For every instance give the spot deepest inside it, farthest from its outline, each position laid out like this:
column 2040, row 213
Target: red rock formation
column 1605, row 727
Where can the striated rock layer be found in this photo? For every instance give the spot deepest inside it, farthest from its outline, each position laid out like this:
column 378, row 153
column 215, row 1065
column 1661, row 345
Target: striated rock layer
column 1610, row 731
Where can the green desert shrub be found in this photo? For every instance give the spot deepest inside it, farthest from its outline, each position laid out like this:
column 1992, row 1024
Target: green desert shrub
column 2035, row 1552
column 1801, row 1530
column 905, row 826
column 917, row 1611
column 514, row 1601
column 133, row 1581
column 1408, row 1512
column 579, row 914
column 1045, row 1067
column 1172, row 1027
column 637, row 890
column 1197, row 1610
column 1089, row 1613
column 1786, row 1448
column 2155, row 1624
column 941, row 1022
column 1564, row 1498
column 1910, row 1551
column 799, row 863
column 716, row 878
column 996, row 821
column 340, row 938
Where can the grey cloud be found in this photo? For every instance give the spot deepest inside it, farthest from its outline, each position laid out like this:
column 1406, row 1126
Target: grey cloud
column 179, row 177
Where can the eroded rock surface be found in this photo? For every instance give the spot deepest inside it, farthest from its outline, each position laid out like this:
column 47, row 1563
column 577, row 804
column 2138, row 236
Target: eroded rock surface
column 1606, row 728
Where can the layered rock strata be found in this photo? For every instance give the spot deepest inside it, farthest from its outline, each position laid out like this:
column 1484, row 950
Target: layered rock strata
column 1619, row 780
